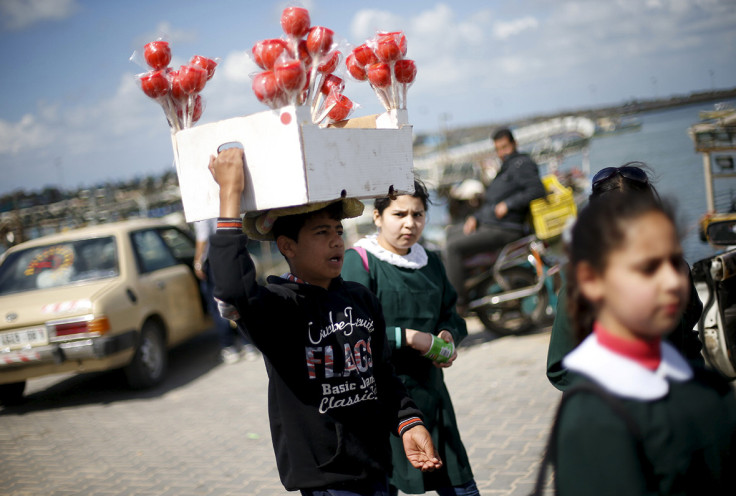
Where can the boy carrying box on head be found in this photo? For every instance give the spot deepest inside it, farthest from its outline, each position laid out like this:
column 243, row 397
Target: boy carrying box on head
column 333, row 393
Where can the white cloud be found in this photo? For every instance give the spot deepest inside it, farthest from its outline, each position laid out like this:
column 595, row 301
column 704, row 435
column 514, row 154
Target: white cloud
column 19, row 14
column 505, row 30
column 366, row 22
column 27, row 133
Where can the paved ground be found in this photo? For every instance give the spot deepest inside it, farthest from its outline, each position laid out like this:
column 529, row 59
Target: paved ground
column 205, row 431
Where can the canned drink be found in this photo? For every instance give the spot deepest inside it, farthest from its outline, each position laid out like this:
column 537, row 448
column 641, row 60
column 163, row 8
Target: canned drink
column 440, row 351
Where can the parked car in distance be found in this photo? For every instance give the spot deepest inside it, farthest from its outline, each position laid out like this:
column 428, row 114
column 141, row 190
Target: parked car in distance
column 110, row 296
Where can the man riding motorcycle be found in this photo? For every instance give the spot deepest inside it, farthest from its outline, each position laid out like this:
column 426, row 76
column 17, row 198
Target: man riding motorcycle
column 503, row 215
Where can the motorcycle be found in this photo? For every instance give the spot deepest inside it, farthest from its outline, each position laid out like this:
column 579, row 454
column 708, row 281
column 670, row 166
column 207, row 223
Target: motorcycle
column 514, row 289
column 715, row 282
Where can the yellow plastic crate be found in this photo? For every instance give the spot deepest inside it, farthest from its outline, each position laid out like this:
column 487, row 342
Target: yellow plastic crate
column 550, row 214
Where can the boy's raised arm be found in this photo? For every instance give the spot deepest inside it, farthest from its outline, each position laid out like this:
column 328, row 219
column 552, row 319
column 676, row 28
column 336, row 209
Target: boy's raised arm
column 227, row 170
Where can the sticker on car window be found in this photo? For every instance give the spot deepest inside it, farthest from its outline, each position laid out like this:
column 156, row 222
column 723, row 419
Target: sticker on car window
column 53, row 258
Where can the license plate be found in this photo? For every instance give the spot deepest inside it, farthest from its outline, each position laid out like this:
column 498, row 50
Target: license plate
column 32, row 336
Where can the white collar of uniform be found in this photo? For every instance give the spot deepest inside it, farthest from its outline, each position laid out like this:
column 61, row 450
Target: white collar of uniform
column 625, row 377
column 415, row 259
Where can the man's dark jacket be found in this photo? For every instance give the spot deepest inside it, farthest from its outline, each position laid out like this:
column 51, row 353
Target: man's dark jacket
column 517, row 184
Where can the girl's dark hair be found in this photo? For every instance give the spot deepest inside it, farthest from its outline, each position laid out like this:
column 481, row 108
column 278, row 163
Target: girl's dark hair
column 598, row 231
column 420, row 191
column 290, row 225
column 620, row 184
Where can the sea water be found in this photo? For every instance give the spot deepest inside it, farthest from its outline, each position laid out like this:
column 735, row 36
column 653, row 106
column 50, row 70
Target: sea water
column 664, row 145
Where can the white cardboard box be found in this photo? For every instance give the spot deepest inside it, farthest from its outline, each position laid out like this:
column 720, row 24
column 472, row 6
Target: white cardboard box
column 290, row 161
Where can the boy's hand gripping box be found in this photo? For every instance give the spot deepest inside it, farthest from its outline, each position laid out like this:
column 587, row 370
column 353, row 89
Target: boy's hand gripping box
column 290, row 161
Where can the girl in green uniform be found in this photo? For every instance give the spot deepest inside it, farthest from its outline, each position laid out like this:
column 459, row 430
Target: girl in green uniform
column 419, row 306
column 643, row 421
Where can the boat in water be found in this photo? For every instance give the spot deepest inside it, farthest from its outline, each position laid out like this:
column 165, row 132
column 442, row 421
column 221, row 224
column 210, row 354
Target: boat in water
column 606, row 126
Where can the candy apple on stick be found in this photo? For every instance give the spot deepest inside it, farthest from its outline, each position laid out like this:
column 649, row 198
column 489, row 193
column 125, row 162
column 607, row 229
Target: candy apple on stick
column 331, row 84
column 319, row 43
column 379, row 76
column 381, row 61
column 325, row 69
column 295, row 22
column 155, row 84
column 191, row 79
column 177, row 91
column 157, row 54
column 405, row 70
column 267, row 89
column 341, row 107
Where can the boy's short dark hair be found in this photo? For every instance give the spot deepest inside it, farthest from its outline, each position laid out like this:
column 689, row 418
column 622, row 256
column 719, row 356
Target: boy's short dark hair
column 290, row 225
column 503, row 133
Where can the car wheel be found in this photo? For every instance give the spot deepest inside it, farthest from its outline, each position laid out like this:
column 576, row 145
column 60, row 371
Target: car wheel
column 148, row 366
column 12, row 394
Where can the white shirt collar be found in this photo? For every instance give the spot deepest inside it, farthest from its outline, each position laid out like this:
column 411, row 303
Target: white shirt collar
column 415, row 259
column 625, row 377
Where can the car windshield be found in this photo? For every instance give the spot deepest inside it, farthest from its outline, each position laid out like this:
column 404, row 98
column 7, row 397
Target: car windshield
column 59, row 264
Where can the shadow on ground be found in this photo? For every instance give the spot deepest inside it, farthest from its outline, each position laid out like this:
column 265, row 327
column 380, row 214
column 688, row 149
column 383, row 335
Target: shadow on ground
column 187, row 362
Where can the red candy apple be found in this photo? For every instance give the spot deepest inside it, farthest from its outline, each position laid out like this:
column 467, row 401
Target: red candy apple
column 319, row 40
column 290, row 75
column 330, row 64
column 379, row 75
column 266, row 52
column 192, row 79
column 365, row 55
column 295, row 21
column 405, row 71
column 332, row 83
column 265, row 87
column 155, row 84
column 157, row 54
column 205, row 63
column 387, row 48
column 342, row 106
column 355, row 69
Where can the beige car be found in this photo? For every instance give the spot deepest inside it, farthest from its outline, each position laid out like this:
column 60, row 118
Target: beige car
column 99, row 298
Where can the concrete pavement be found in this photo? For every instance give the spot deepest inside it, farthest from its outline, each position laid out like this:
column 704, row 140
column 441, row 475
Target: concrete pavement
column 205, row 430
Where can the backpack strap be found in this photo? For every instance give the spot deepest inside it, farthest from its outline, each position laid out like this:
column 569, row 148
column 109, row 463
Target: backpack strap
column 363, row 256
column 618, row 408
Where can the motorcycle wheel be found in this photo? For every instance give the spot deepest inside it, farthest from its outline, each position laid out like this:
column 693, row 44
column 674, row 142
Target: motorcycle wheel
column 515, row 316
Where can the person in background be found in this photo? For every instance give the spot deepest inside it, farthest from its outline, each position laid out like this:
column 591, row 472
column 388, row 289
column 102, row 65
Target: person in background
column 503, row 216
column 419, row 307
column 333, row 395
column 630, row 178
column 233, row 345
column 637, row 418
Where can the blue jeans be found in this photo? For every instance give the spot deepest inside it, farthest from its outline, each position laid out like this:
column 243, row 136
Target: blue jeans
column 379, row 489
column 467, row 489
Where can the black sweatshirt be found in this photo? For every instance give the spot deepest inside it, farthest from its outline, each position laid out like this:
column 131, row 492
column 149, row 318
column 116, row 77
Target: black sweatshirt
column 333, row 396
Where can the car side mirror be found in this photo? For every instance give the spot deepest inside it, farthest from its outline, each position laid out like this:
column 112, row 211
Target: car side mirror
column 722, row 232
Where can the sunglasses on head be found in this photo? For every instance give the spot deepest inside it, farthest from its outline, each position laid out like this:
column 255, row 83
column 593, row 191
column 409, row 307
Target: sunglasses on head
column 633, row 173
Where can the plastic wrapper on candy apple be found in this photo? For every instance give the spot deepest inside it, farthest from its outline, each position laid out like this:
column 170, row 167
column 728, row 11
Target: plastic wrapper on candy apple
column 382, row 62
column 296, row 68
column 176, row 90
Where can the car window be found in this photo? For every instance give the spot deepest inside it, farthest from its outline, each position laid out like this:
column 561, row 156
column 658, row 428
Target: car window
column 151, row 251
column 180, row 244
column 59, row 264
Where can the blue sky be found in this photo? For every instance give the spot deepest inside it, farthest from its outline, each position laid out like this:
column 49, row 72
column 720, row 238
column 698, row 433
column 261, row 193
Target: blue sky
column 71, row 113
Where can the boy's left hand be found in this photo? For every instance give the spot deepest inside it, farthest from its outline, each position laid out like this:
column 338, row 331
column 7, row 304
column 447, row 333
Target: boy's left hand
column 420, row 450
